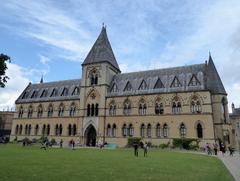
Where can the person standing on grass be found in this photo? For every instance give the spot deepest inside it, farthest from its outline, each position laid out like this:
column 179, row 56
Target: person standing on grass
column 61, row 143
column 73, row 144
column 215, row 147
column 135, row 146
column 145, row 148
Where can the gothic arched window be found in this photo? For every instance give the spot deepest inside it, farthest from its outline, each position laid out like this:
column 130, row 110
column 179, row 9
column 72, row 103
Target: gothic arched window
column 130, row 128
column 142, row 130
column 127, row 108
column 20, row 112
column 30, row 111
column 114, row 128
column 142, row 107
column 36, row 129
column 69, row 130
column 158, row 130
column 149, row 130
column 199, row 131
column 40, row 111
column 74, row 132
column 195, row 105
column 94, row 78
column 159, row 107
column 61, row 110
column 72, row 110
column 124, row 130
column 112, row 109
column 50, row 110
column 165, row 130
column 48, row 129
column 109, row 131
column 176, row 106
column 183, row 130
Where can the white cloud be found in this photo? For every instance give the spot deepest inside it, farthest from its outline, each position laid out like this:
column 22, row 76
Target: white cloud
column 14, row 87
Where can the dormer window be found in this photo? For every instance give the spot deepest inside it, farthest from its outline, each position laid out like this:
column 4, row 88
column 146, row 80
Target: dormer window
column 176, row 82
column 143, row 85
column 44, row 93
column 128, row 87
column 54, row 93
column 25, row 95
column 64, row 92
column 158, row 84
column 34, row 94
column 194, row 81
column 76, row 91
column 114, row 88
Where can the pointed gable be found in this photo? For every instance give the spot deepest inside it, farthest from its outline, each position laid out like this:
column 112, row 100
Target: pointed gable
column 194, row 81
column 158, row 84
column 214, row 82
column 64, row 92
column 101, row 51
column 54, row 93
column 128, row 87
column 143, row 85
column 114, row 88
column 176, row 82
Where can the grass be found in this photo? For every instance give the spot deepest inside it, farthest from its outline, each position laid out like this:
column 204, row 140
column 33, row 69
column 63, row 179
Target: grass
column 31, row 163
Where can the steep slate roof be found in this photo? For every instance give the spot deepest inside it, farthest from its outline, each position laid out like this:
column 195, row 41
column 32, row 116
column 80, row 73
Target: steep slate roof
column 59, row 86
column 183, row 74
column 214, row 82
column 101, row 51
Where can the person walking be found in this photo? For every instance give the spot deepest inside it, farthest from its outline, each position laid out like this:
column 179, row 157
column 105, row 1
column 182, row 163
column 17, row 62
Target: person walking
column 61, row 143
column 145, row 148
column 135, row 146
column 215, row 147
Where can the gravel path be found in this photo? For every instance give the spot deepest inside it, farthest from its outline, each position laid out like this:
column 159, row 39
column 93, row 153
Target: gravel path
column 232, row 163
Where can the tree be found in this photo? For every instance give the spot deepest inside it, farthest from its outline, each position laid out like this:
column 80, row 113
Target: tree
column 3, row 67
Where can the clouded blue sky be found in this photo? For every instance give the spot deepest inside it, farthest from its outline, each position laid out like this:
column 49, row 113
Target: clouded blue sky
column 52, row 38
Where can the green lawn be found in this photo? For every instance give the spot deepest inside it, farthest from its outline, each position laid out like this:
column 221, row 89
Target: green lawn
column 31, row 163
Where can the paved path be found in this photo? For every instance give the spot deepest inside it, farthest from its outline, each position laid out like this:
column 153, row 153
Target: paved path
column 232, row 163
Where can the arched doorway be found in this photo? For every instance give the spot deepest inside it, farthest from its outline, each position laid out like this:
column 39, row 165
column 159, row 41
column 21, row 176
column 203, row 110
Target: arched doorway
column 90, row 136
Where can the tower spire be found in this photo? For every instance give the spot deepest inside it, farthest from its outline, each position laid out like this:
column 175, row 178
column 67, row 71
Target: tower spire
column 41, row 81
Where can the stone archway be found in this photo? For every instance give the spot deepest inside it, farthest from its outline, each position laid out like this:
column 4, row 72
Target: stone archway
column 90, row 136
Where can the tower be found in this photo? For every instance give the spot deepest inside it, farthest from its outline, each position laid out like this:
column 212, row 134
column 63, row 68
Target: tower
column 222, row 126
column 98, row 69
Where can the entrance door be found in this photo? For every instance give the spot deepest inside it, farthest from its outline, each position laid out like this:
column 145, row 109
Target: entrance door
column 90, row 135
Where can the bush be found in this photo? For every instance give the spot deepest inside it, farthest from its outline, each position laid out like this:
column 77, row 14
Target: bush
column 132, row 141
column 163, row 145
column 53, row 141
column 184, row 143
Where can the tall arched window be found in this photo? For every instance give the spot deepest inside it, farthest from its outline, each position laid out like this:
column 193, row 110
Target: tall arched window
column 44, row 130
column 159, row 107
column 112, row 109
column 224, row 109
column 36, row 130
column 17, row 130
column 142, row 130
column 183, row 130
column 127, row 108
column 56, row 130
column 114, row 128
column 30, row 111
column 142, row 107
column 20, row 129
column 149, row 130
column 158, row 130
column 96, row 110
column 69, row 130
column 61, row 110
column 94, row 77
column 26, row 129
column 124, row 130
column 131, row 131
column 199, row 131
column 88, row 110
column 60, row 129
column 74, row 129
column 29, row 129
column 195, row 105
column 92, row 110
column 176, row 106
column 165, row 130
column 40, row 111
column 72, row 110
column 50, row 110
column 20, row 112
column 48, row 129
column 108, row 130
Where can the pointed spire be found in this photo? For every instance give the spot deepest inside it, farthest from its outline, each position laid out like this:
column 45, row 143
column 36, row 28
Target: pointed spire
column 41, row 81
column 214, row 82
column 101, row 51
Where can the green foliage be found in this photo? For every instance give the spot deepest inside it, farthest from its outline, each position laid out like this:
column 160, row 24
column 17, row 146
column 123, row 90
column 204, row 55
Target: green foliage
column 184, row 143
column 163, row 145
column 3, row 68
column 132, row 141
column 53, row 141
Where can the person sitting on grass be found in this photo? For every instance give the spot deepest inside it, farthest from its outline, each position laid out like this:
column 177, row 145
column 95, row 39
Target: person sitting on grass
column 44, row 145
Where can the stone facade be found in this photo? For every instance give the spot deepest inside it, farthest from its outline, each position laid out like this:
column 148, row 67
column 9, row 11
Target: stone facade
column 235, row 120
column 107, row 105
column 6, row 118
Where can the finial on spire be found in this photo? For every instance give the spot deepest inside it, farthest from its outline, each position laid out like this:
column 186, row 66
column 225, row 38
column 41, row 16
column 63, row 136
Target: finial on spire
column 104, row 26
column 41, row 81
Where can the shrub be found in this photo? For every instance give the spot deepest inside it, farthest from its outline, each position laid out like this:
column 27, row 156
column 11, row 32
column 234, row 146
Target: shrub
column 53, row 141
column 132, row 141
column 163, row 145
column 183, row 143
